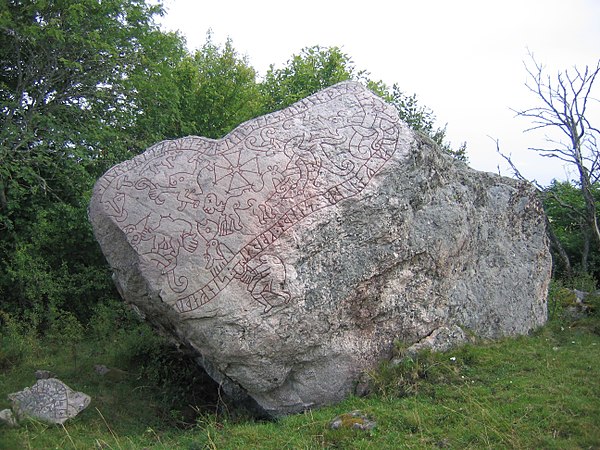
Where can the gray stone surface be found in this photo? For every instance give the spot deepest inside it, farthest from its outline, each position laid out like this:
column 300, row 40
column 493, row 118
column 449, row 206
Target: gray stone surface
column 355, row 420
column 8, row 418
column 42, row 374
column 292, row 253
column 440, row 340
column 49, row 400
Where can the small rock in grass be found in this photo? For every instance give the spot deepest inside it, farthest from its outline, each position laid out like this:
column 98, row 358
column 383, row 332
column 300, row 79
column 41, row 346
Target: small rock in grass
column 101, row 369
column 355, row 420
column 7, row 417
column 43, row 374
column 110, row 374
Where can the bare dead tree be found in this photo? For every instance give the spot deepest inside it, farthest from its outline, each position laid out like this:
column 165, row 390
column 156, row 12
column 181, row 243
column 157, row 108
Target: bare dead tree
column 564, row 106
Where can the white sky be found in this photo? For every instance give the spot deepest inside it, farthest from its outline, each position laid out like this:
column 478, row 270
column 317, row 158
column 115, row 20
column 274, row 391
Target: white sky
column 463, row 58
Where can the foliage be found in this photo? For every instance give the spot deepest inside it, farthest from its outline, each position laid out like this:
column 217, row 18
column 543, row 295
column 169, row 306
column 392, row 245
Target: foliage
column 315, row 68
column 559, row 297
column 61, row 80
column 411, row 374
column 422, row 119
column 150, row 110
column 206, row 93
column 56, row 264
column 565, row 208
column 19, row 339
column 66, row 97
column 225, row 92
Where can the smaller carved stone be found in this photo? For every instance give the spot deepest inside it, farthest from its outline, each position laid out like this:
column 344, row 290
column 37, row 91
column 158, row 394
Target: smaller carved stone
column 49, row 400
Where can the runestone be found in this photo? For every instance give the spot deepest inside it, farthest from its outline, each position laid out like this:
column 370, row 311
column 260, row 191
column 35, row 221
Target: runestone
column 292, row 254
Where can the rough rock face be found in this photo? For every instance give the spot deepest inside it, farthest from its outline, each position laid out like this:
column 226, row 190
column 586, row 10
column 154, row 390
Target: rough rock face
column 7, row 417
column 291, row 253
column 49, row 400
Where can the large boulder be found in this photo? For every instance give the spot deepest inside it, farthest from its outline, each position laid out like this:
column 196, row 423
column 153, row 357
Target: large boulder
column 292, row 253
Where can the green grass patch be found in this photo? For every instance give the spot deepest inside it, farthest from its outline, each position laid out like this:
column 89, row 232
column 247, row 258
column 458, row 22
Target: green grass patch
column 538, row 391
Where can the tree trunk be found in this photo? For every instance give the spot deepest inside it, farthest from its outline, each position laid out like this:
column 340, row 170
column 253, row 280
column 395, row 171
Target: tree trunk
column 585, row 251
column 558, row 248
column 586, row 187
column 591, row 213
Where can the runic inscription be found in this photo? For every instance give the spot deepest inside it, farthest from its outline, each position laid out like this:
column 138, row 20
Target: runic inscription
column 209, row 210
column 50, row 400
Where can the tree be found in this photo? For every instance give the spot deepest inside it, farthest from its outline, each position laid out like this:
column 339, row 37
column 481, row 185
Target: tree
column 63, row 72
column 316, row 68
column 206, row 93
column 313, row 69
column 564, row 104
column 222, row 90
column 66, row 96
column 565, row 208
column 151, row 107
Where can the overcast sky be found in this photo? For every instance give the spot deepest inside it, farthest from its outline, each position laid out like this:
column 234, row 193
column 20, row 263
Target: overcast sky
column 463, row 58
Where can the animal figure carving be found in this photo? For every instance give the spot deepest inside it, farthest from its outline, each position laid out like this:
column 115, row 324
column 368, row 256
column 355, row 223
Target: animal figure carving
column 217, row 255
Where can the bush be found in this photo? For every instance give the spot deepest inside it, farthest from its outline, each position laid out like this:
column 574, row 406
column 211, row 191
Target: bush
column 179, row 384
column 19, row 339
column 583, row 282
column 56, row 265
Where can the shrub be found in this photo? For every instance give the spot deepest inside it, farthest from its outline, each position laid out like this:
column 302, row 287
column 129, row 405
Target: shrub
column 19, row 339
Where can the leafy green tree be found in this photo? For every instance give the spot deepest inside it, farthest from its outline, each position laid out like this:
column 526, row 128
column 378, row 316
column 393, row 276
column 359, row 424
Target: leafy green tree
column 313, row 69
column 151, row 108
column 207, row 93
column 566, row 209
column 222, row 90
column 62, row 68
column 316, row 68
column 67, row 97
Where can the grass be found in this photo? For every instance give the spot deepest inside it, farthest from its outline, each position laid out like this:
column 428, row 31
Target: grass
column 538, row 391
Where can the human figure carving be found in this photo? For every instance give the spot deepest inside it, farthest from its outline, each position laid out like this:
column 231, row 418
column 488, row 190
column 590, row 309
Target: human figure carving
column 265, row 281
